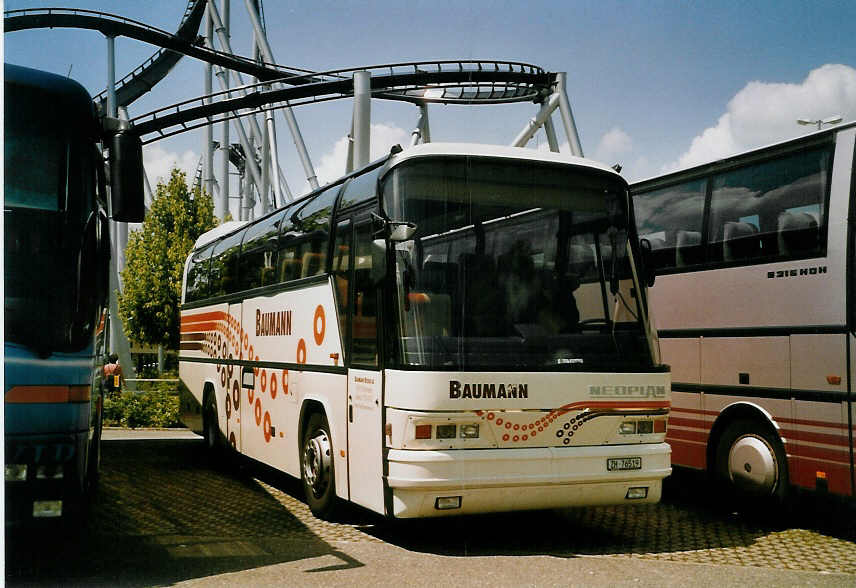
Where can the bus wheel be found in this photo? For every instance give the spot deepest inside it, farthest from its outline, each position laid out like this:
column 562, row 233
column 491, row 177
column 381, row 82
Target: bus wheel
column 211, row 426
column 751, row 461
column 316, row 467
column 93, row 466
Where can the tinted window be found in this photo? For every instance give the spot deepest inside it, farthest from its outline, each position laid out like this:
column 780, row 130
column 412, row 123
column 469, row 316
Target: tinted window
column 224, row 265
column 305, row 235
column 197, row 275
column 364, row 314
column 258, row 263
column 340, row 267
column 360, row 188
column 770, row 209
column 671, row 219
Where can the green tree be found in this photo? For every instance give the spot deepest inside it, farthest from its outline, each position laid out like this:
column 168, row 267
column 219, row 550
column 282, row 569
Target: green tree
column 155, row 259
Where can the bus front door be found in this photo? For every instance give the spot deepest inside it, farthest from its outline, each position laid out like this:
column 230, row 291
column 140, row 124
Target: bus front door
column 365, row 439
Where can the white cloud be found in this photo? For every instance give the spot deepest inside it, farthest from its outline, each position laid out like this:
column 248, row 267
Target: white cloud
column 159, row 163
column 331, row 165
column 613, row 146
column 763, row 113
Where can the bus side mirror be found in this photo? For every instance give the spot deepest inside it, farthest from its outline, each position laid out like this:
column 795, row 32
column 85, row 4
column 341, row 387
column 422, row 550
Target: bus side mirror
column 126, row 177
column 649, row 273
column 378, row 272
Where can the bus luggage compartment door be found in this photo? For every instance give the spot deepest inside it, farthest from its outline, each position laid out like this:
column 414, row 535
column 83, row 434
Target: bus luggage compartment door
column 365, row 439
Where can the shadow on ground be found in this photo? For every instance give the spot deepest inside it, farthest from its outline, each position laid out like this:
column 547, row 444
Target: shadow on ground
column 164, row 512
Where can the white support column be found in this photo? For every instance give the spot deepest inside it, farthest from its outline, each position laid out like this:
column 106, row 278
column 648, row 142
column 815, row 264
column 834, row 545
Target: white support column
column 349, row 161
column 567, row 115
column 422, row 132
column 255, row 129
column 424, row 124
column 535, row 123
column 264, row 188
column 252, row 166
column 286, row 112
column 223, row 208
column 111, row 77
column 550, row 130
column 362, row 118
column 208, row 167
column 281, row 191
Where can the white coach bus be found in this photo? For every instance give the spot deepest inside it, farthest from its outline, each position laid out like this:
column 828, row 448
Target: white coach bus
column 754, row 302
column 452, row 329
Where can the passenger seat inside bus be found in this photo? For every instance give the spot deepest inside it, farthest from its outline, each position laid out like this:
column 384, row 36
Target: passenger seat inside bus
column 797, row 233
column 687, row 248
column 740, row 240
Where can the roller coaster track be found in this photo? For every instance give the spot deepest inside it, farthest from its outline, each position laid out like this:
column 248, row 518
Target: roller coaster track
column 112, row 25
column 445, row 82
column 144, row 77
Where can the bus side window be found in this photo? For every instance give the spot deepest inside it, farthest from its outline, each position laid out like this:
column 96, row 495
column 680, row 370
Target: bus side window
column 197, row 275
column 224, row 265
column 770, row 209
column 305, row 236
column 671, row 219
column 258, row 262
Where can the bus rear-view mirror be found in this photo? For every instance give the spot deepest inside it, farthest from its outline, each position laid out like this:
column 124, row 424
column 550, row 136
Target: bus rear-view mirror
column 126, row 177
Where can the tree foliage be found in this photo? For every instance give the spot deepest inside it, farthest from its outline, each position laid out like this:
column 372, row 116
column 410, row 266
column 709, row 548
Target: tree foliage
column 155, row 259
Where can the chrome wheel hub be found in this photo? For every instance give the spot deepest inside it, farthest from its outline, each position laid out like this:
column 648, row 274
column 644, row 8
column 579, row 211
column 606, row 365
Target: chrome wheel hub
column 317, row 459
column 752, row 465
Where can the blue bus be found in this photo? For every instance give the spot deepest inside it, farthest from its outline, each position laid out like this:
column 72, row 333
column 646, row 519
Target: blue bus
column 56, row 260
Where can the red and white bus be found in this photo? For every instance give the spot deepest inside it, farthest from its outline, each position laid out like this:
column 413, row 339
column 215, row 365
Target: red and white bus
column 452, row 329
column 754, row 301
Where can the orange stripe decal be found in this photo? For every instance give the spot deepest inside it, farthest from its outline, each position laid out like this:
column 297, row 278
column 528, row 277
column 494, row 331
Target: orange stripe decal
column 47, row 394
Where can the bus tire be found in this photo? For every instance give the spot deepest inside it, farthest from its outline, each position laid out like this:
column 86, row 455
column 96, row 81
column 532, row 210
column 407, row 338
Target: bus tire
column 93, row 465
column 316, row 467
column 211, row 426
column 751, row 461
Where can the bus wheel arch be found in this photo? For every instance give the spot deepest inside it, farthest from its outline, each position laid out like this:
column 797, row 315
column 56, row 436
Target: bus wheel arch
column 746, row 454
column 317, row 470
column 210, row 419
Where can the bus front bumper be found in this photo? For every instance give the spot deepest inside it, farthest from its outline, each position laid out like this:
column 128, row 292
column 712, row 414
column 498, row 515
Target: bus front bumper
column 468, row 481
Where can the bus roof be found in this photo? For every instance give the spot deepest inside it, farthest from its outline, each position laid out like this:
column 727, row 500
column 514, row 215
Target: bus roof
column 434, row 150
column 724, row 160
column 217, row 232
column 503, row 151
column 76, row 101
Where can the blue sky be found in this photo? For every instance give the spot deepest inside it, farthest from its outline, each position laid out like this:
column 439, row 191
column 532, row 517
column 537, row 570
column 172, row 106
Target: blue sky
column 653, row 85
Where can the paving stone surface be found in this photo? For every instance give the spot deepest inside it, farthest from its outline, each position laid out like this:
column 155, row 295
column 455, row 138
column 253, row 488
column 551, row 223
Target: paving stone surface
column 169, row 498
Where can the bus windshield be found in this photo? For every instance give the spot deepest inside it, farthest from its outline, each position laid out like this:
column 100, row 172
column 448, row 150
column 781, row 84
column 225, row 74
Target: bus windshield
column 514, row 265
column 49, row 196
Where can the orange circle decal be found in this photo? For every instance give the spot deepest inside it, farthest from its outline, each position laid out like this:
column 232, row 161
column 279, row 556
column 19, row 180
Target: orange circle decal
column 317, row 330
column 285, row 382
column 267, row 427
column 301, row 351
column 273, row 385
column 258, row 411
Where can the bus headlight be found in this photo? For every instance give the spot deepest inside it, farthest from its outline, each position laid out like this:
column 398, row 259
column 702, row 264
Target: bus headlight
column 470, row 431
column 627, row 428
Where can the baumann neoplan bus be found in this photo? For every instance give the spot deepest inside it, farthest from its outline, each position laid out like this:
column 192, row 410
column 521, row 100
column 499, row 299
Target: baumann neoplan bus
column 452, row 329
column 756, row 307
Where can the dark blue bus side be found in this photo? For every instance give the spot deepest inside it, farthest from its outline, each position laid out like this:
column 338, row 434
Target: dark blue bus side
column 56, row 255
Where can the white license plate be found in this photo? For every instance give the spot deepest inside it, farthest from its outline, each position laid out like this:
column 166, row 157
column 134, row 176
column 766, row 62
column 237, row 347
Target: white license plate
column 623, row 463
